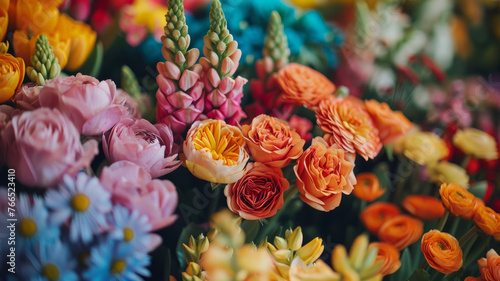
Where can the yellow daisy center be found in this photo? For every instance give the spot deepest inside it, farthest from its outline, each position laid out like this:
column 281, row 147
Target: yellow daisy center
column 128, row 234
column 27, row 227
column 118, row 266
column 222, row 144
column 50, row 272
column 80, row 202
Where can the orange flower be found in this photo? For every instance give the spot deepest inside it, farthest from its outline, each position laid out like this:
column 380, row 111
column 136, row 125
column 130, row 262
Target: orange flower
column 389, row 255
column 347, row 124
column 367, row 187
column 37, row 16
column 390, row 124
column 272, row 142
column 458, row 200
column 376, row 214
column 25, row 48
column 488, row 220
column 472, row 278
column 304, row 85
column 490, row 266
column 4, row 4
column 11, row 73
column 442, row 251
column 323, row 174
column 4, row 22
column 424, row 207
column 401, row 231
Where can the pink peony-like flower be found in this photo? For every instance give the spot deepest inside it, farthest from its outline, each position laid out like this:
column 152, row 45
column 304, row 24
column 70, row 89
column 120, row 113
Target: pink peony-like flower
column 140, row 142
column 132, row 186
column 43, row 145
column 26, row 98
column 258, row 194
column 123, row 98
column 88, row 103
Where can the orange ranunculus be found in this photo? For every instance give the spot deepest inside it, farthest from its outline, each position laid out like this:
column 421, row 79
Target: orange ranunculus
column 347, row 124
column 82, row 40
column 37, row 16
column 401, row 231
column 4, row 22
column 391, row 124
column 11, row 73
column 389, row 255
column 4, row 4
column 323, row 174
column 458, row 200
column 442, row 251
column 25, row 48
column 258, row 194
column 376, row 214
column 490, row 266
column 424, row 207
column 272, row 142
column 367, row 187
column 488, row 220
column 472, row 278
column 304, row 85
column 215, row 151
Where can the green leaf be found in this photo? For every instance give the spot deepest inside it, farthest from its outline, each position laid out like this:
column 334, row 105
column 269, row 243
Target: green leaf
column 419, row 275
column 479, row 189
column 92, row 65
column 389, row 151
column 405, row 270
column 251, row 229
column 190, row 229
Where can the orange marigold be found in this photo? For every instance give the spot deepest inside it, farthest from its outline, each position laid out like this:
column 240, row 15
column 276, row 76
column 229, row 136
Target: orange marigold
column 367, row 187
column 390, row 124
column 458, row 200
column 376, row 214
column 401, row 231
column 424, row 207
column 442, row 251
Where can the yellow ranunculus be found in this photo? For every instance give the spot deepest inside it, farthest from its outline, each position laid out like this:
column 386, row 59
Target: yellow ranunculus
column 37, row 16
column 423, row 148
column 11, row 73
column 82, row 40
column 476, row 143
column 4, row 22
column 446, row 172
column 25, row 48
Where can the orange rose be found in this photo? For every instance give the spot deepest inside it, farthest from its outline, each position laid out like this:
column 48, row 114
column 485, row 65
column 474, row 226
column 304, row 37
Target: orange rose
column 258, row 194
column 272, row 142
column 4, row 22
column 390, row 124
column 37, row 16
column 304, row 85
column 442, row 251
column 347, row 124
column 424, row 207
column 490, row 266
column 488, row 220
column 458, row 200
column 389, row 255
column 376, row 214
column 401, row 231
column 323, row 174
column 367, row 187
column 25, row 48
column 11, row 73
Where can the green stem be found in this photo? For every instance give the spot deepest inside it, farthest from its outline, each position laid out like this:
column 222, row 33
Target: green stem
column 436, row 275
column 215, row 201
column 469, row 243
column 443, row 220
column 454, row 225
column 398, row 191
column 468, row 235
column 477, row 252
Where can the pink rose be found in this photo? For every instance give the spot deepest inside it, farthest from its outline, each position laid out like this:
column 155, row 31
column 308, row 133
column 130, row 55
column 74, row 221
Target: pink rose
column 131, row 185
column 302, row 126
column 43, row 145
column 26, row 98
column 88, row 103
column 140, row 142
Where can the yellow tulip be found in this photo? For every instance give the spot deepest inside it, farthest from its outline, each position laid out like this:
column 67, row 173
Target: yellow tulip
column 4, row 22
column 11, row 73
column 25, row 48
column 311, row 251
column 37, row 16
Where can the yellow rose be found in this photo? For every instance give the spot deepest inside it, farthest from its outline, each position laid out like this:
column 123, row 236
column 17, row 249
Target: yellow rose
column 11, row 73
column 423, row 148
column 37, row 16
column 4, row 22
column 446, row 172
column 25, row 48
column 476, row 143
column 82, row 40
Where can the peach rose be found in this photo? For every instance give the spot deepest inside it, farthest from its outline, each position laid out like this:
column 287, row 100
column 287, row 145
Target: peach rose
column 490, row 266
column 424, row 207
column 458, row 200
column 401, row 231
column 304, row 85
column 376, row 214
column 323, row 175
column 258, row 194
column 367, row 187
column 442, row 251
column 272, row 142
column 215, row 151
column 347, row 124
column 389, row 255
column 390, row 124
column 488, row 220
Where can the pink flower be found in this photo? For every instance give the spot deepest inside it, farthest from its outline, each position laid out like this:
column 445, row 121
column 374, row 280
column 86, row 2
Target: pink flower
column 132, row 186
column 140, row 142
column 193, row 5
column 88, row 103
column 123, row 98
column 302, row 126
column 43, row 145
column 26, row 98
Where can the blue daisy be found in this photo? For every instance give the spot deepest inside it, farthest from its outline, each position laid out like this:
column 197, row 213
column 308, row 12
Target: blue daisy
column 132, row 228
column 83, row 203
column 116, row 261
column 49, row 262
